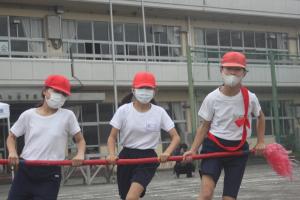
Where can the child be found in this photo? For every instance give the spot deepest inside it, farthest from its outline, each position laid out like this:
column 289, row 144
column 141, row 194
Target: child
column 227, row 114
column 139, row 123
column 46, row 130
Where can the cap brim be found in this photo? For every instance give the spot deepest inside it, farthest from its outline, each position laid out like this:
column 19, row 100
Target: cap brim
column 144, row 85
column 233, row 65
column 59, row 89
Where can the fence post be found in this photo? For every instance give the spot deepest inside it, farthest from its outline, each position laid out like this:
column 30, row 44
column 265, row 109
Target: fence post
column 191, row 89
column 275, row 97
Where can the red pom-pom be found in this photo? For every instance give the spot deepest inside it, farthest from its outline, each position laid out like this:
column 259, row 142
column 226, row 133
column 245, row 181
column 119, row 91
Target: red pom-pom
column 278, row 158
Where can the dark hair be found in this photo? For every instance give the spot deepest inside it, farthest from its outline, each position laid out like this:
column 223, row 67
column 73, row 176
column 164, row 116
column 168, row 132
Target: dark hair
column 128, row 99
column 39, row 104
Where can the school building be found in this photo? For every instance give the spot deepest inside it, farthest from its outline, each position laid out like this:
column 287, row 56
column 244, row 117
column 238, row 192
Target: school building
column 74, row 38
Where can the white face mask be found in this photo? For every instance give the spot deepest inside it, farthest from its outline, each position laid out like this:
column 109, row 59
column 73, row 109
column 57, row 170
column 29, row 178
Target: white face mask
column 231, row 80
column 143, row 95
column 56, row 100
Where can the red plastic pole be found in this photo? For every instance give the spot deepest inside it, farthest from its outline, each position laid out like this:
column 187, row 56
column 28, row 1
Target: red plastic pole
column 126, row 161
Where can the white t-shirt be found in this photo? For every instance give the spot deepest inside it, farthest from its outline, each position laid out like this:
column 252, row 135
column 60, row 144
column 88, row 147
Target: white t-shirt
column 45, row 136
column 141, row 130
column 222, row 111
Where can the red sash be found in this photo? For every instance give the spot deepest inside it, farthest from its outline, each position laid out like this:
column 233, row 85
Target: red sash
column 244, row 121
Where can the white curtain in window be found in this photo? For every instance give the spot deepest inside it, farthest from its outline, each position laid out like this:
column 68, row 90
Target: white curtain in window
column 69, row 29
column 36, row 28
column 32, row 47
column 173, row 35
column 26, row 26
column 282, row 40
column 199, row 36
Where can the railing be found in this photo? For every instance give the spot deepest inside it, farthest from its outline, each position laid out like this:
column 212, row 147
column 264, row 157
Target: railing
column 210, row 55
column 199, row 55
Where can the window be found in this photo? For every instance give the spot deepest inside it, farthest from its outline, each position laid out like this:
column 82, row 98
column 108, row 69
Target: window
column 91, row 40
column 94, row 120
column 27, row 36
column 260, row 40
column 166, row 42
column 236, row 38
column 3, row 26
column 254, row 44
column 173, row 35
column 286, row 117
column 211, row 36
column 282, row 40
column 118, row 32
column 199, row 37
column 68, row 29
column 272, row 40
column 19, row 27
column 101, row 31
column 177, row 113
column 132, row 33
column 160, row 34
column 37, row 28
column 249, row 39
column 104, row 131
column 224, row 36
column 4, row 43
column 149, row 34
column 90, row 134
column 84, row 30
column 19, row 45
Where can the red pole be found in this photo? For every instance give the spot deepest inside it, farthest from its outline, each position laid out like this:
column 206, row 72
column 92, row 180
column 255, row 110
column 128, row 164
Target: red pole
column 125, row 161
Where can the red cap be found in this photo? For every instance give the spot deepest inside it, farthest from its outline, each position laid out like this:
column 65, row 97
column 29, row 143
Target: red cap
column 58, row 82
column 143, row 79
column 233, row 59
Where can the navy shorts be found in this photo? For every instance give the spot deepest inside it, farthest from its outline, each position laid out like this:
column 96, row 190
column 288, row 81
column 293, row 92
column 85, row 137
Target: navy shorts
column 141, row 173
column 35, row 183
column 234, row 167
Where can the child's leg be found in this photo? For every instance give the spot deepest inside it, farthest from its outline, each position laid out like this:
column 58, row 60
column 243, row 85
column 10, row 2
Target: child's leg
column 207, row 188
column 135, row 191
column 233, row 174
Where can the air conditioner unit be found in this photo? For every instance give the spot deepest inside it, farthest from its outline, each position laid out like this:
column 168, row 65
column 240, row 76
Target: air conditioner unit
column 54, row 27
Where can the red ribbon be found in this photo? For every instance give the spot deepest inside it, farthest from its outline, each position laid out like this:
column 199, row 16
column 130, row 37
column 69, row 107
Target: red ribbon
column 243, row 121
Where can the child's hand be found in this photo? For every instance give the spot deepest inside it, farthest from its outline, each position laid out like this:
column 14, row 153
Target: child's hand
column 164, row 157
column 13, row 158
column 112, row 159
column 77, row 160
column 187, row 156
column 259, row 148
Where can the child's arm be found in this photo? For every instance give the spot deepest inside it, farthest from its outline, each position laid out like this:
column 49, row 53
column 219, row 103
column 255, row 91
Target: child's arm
column 13, row 158
column 111, row 143
column 260, row 127
column 81, row 145
column 200, row 135
column 175, row 140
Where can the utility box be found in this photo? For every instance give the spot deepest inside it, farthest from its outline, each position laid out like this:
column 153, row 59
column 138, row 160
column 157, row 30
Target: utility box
column 54, row 27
